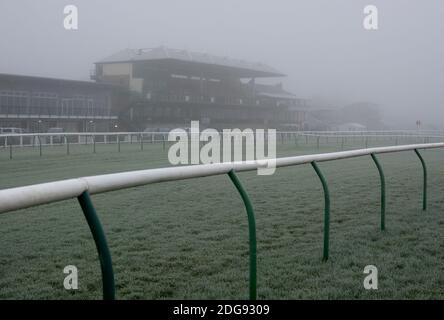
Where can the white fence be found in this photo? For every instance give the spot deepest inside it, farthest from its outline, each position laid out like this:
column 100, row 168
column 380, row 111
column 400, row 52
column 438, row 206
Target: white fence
column 33, row 139
column 23, row 197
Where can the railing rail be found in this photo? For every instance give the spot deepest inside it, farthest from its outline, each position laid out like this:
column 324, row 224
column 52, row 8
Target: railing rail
column 314, row 133
column 27, row 196
column 13, row 142
column 81, row 188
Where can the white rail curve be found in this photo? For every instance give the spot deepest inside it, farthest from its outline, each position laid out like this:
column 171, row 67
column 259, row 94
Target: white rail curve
column 28, row 196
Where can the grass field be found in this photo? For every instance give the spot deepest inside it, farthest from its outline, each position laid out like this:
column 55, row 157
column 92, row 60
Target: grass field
column 189, row 239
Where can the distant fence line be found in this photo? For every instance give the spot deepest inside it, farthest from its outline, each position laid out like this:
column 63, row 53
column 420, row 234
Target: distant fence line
column 27, row 139
column 40, row 140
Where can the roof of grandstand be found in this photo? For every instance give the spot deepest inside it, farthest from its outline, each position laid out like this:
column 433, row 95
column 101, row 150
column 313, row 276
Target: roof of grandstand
column 235, row 67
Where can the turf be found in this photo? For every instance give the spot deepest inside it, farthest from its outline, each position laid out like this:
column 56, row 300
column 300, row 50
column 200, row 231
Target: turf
column 189, row 239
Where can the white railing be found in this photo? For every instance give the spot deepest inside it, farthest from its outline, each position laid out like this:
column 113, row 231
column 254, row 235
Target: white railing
column 28, row 196
column 45, row 139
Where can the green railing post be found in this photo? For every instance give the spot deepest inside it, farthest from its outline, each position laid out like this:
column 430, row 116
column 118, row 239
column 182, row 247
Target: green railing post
column 326, row 209
column 251, row 230
column 101, row 245
column 381, row 176
column 424, row 170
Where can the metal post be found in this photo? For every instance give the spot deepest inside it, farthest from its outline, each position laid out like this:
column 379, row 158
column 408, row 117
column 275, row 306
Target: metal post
column 424, row 170
column 10, row 151
column 40, row 146
column 94, row 143
column 67, row 145
column 326, row 209
column 141, row 141
column 381, row 176
column 98, row 234
column 251, row 231
column 118, row 143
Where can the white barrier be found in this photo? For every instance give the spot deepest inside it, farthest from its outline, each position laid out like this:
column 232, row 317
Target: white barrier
column 49, row 139
column 33, row 195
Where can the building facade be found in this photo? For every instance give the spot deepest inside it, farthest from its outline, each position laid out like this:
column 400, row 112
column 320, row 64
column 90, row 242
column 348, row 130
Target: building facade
column 169, row 88
column 36, row 104
column 148, row 89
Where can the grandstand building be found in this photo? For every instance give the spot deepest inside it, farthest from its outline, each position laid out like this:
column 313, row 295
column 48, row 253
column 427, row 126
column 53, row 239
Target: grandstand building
column 35, row 104
column 152, row 89
column 169, row 88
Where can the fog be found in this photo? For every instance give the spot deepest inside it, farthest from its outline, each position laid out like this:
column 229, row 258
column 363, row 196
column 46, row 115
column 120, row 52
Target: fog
column 321, row 45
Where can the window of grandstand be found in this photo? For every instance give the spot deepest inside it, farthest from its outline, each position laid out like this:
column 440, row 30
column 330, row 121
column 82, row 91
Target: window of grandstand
column 13, row 102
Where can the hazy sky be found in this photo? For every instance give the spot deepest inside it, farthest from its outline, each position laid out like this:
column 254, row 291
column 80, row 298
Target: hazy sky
column 320, row 44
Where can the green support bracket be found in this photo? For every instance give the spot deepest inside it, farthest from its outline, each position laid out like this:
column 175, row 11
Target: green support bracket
column 381, row 176
column 251, row 230
column 326, row 210
column 424, row 170
column 98, row 234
